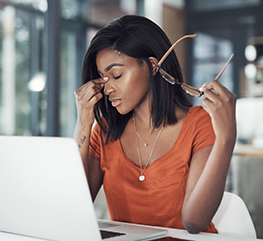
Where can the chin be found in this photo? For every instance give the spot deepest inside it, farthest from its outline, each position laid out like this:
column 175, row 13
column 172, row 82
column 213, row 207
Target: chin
column 123, row 111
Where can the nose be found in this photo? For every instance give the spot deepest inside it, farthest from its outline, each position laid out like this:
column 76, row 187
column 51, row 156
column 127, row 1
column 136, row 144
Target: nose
column 108, row 87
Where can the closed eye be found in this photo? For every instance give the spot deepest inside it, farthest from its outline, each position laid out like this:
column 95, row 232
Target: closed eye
column 117, row 77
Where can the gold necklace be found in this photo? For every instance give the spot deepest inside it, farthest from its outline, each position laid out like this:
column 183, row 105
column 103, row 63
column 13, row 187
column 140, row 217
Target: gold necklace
column 142, row 177
column 145, row 143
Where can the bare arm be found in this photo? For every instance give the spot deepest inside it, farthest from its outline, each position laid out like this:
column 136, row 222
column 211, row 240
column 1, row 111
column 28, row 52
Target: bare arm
column 86, row 97
column 209, row 165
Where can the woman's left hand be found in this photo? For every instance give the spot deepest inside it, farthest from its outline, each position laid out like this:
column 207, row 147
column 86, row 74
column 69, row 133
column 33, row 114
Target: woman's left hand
column 220, row 103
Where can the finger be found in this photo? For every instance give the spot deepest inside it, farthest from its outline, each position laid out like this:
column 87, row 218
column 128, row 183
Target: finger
column 215, row 85
column 207, row 105
column 203, row 87
column 82, row 87
column 87, row 93
column 95, row 98
column 210, row 95
column 78, row 91
column 99, row 81
column 213, row 101
column 221, row 90
column 102, row 81
column 96, row 85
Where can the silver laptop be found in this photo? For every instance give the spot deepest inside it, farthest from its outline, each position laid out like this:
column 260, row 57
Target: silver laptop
column 44, row 194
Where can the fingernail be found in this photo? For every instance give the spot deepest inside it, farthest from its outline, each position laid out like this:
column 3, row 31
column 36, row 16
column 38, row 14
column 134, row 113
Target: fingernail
column 203, row 87
column 105, row 78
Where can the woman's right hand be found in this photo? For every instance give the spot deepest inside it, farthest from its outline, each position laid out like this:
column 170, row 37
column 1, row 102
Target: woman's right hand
column 86, row 97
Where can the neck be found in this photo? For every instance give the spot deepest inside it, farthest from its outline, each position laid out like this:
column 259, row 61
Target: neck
column 143, row 120
column 143, row 115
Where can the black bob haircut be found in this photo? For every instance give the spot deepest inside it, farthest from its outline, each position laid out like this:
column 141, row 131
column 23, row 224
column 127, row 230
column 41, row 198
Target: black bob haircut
column 140, row 38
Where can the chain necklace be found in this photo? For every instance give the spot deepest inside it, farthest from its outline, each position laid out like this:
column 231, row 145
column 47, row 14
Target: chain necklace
column 145, row 143
column 142, row 177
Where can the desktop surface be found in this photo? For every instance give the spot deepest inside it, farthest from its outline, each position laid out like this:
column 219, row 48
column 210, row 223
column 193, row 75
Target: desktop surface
column 177, row 234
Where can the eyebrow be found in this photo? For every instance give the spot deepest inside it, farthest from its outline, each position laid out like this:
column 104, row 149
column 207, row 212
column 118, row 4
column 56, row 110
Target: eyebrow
column 111, row 66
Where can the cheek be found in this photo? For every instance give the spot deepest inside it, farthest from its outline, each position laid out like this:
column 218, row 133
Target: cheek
column 133, row 94
column 142, row 84
column 128, row 83
column 137, row 85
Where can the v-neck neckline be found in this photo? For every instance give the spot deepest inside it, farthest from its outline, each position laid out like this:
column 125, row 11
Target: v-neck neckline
column 163, row 156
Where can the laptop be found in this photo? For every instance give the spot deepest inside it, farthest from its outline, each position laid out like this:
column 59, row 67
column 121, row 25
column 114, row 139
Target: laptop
column 45, row 195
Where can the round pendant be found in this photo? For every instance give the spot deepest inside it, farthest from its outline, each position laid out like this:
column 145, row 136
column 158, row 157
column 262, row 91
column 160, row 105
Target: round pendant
column 141, row 178
column 145, row 144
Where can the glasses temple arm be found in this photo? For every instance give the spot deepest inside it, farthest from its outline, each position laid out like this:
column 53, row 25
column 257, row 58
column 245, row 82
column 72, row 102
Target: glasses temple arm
column 218, row 76
column 172, row 47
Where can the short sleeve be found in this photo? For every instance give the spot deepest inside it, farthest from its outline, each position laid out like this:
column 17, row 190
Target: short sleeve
column 95, row 142
column 204, row 132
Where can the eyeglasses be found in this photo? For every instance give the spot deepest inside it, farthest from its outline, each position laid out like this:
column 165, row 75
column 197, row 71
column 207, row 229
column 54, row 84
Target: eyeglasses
column 187, row 88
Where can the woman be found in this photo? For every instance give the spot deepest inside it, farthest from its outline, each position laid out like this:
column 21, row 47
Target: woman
column 161, row 161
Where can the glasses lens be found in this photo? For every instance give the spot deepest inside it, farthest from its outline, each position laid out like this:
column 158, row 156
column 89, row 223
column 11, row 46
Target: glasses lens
column 191, row 91
column 187, row 88
column 167, row 77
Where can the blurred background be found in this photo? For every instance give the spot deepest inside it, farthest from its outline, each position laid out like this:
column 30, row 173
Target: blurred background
column 43, row 42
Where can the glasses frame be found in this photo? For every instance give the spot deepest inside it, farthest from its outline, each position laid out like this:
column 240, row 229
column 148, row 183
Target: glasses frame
column 170, row 79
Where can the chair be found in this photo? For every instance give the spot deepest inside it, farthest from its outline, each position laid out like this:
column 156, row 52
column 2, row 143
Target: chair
column 232, row 217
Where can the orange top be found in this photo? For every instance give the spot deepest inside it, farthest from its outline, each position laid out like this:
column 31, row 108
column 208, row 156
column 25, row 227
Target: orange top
column 158, row 200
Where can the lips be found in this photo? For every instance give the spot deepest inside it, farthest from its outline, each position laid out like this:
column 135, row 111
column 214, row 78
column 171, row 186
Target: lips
column 115, row 102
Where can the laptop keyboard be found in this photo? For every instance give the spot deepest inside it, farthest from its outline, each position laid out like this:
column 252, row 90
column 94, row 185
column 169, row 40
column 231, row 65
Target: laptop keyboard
column 109, row 234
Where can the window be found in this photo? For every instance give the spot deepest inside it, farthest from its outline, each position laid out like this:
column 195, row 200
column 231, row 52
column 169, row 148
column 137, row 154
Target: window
column 210, row 55
column 40, row 65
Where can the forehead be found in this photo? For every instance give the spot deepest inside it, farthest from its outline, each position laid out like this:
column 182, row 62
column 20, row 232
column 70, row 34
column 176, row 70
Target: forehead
column 107, row 57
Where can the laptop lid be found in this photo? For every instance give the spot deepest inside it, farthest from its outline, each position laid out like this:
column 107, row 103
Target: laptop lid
column 44, row 192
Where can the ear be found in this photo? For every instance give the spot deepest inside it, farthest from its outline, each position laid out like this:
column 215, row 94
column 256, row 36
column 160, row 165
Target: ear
column 154, row 63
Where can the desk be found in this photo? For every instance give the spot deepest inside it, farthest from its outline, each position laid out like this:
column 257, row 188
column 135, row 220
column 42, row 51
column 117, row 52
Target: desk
column 248, row 150
column 183, row 234
column 177, row 233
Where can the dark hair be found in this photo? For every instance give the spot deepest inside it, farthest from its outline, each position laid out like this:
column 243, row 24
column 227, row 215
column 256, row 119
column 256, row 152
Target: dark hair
column 140, row 38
